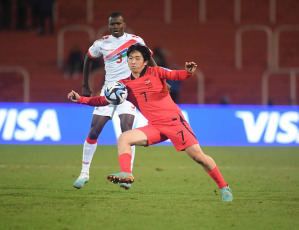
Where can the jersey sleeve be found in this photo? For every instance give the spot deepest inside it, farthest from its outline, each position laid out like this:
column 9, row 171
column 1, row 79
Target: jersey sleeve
column 93, row 101
column 140, row 40
column 95, row 50
column 173, row 75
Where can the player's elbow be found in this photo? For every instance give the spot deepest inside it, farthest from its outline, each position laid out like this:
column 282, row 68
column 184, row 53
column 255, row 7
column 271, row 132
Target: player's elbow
column 87, row 58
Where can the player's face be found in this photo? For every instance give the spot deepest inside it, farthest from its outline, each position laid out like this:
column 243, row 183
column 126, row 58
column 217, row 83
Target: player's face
column 136, row 62
column 117, row 26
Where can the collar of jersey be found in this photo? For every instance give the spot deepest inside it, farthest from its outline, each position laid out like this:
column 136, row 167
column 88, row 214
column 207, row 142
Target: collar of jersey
column 121, row 37
column 141, row 74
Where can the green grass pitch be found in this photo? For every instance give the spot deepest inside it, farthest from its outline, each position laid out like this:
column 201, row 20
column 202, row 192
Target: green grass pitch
column 170, row 190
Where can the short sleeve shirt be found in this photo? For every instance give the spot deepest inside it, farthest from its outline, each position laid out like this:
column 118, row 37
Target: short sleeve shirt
column 114, row 52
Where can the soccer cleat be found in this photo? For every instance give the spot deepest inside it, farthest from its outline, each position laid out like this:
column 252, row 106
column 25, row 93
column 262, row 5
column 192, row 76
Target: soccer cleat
column 121, row 177
column 125, row 185
column 227, row 194
column 82, row 179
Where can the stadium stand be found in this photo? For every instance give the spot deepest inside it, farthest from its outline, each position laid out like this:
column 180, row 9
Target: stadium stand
column 181, row 28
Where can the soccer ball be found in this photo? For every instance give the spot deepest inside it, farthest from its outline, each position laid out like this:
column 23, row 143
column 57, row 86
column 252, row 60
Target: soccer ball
column 116, row 93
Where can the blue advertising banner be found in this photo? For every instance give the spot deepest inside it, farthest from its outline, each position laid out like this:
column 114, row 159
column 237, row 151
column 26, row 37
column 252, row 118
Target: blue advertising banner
column 213, row 125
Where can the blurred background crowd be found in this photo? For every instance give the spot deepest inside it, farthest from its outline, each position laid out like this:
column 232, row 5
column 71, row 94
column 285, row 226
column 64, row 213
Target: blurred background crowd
column 247, row 51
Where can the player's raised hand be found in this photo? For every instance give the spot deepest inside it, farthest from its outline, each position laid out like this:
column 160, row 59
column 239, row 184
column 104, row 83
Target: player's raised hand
column 73, row 96
column 190, row 67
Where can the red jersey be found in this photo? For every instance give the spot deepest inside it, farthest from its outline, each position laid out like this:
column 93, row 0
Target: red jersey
column 149, row 94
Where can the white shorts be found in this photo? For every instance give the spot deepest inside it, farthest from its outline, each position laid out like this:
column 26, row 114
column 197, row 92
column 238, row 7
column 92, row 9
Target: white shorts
column 108, row 111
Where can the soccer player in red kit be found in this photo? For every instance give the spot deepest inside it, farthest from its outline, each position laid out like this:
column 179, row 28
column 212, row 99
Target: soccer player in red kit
column 147, row 90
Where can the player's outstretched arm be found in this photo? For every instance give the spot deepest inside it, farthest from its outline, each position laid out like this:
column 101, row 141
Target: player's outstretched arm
column 86, row 69
column 190, row 67
column 92, row 101
column 73, row 96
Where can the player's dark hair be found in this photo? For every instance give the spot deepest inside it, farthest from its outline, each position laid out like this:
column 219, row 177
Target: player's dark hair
column 116, row 14
column 145, row 52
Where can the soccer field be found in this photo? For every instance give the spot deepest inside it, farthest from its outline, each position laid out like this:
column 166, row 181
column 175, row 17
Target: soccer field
column 170, row 190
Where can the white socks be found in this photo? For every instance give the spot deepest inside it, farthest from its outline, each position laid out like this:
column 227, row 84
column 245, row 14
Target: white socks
column 133, row 156
column 88, row 151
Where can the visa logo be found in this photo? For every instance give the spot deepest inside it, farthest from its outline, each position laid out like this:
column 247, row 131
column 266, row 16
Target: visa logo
column 271, row 127
column 28, row 124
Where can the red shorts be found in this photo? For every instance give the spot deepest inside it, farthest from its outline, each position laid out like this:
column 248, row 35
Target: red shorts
column 180, row 134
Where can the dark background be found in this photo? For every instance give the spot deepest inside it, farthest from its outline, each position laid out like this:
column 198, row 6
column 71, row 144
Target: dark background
column 183, row 35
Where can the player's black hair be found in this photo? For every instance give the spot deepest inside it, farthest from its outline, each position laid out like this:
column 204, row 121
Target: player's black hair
column 116, row 14
column 145, row 52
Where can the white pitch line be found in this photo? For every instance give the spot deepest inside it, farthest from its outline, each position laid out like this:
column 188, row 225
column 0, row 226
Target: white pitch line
column 160, row 167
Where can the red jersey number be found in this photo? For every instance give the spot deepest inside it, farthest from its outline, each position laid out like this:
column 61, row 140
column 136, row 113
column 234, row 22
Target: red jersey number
column 120, row 59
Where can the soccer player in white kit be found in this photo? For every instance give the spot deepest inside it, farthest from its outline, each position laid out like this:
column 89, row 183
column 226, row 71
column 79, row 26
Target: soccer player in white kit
column 113, row 48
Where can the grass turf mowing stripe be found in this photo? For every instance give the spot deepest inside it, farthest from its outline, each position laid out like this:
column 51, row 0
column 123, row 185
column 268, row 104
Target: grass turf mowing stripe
column 170, row 191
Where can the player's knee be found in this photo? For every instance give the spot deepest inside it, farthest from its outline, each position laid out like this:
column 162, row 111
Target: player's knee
column 199, row 158
column 122, row 139
column 126, row 127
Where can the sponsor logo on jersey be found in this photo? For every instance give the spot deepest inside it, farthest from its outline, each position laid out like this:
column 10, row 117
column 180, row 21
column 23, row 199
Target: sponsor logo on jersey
column 148, row 83
column 271, row 126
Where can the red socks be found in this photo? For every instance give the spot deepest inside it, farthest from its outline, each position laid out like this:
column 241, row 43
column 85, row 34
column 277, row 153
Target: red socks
column 89, row 141
column 125, row 162
column 217, row 177
column 125, row 166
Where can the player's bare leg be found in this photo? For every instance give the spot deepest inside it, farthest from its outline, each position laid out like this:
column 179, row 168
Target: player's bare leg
column 209, row 165
column 97, row 124
column 124, row 143
column 126, row 124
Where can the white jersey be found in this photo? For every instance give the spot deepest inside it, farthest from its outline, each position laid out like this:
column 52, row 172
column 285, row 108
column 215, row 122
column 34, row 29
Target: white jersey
column 114, row 51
